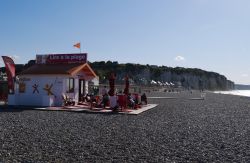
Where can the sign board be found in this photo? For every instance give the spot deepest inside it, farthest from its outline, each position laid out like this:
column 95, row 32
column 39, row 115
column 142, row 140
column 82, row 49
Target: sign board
column 61, row 58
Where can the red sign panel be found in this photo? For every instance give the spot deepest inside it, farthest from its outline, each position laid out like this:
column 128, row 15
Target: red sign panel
column 61, row 58
column 10, row 70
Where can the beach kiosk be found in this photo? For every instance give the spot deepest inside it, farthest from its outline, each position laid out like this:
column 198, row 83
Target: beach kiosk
column 52, row 77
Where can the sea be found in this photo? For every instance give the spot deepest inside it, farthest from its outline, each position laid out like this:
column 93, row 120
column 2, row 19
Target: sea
column 236, row 92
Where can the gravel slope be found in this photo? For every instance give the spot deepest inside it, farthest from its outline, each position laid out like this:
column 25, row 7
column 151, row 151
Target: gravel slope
column 216, row 129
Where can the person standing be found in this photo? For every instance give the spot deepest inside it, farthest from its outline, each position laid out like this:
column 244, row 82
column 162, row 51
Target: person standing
column 104, row 91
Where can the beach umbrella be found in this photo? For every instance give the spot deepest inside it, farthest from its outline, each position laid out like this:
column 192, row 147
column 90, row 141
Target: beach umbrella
column 112, row 85
column 153, row 82
column 126, row 89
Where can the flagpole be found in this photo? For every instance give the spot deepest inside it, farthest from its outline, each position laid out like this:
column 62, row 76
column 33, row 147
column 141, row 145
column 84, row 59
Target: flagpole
column 80, row 47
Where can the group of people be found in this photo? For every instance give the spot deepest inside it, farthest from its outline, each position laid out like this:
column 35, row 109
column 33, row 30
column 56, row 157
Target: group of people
column 115, row 102
column 130, row 100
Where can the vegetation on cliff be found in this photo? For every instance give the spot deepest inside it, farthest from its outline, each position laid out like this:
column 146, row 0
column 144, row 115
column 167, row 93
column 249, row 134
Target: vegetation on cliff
column 144, row 75
column 151, row 74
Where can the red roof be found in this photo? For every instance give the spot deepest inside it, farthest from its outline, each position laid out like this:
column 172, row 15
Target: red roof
column 59, row 69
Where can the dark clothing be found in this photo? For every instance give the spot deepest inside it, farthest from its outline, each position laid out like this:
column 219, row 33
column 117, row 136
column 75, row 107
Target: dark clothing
column 144, row 98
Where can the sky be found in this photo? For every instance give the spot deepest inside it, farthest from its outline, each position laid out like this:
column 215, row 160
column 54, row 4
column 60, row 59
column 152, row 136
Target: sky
column 213, row 35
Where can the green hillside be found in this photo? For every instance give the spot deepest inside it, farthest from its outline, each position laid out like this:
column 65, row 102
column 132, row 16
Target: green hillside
column 150, row 74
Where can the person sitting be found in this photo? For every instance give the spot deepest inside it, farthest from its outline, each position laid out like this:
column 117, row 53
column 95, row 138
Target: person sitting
column 93, row 98
column 92, row 101
column 104, row 91
column 131, row 102
column 144, row 99
column 87, row 98
column 136, row 98
column 114, row 105
column 67, row 101
column 105, row 100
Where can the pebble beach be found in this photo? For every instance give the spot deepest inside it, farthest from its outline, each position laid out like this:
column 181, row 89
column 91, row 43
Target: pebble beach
column 179, row 129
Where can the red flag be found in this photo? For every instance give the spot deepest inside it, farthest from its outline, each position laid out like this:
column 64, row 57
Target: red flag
column 10, row 70
column 78, row 45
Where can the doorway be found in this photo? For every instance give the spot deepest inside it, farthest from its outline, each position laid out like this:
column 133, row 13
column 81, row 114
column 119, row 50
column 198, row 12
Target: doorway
column 81, row 89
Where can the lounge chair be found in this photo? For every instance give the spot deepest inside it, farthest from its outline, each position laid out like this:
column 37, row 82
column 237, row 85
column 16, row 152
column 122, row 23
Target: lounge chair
column 67, row 101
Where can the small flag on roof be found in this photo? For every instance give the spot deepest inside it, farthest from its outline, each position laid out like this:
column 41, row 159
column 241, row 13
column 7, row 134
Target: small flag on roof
column 78, row 45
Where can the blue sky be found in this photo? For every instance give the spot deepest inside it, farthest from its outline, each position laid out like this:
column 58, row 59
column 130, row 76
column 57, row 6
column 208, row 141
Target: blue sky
column 213, row 35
